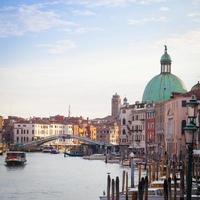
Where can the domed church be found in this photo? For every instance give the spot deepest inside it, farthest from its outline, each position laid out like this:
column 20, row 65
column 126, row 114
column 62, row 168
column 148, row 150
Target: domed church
column 160, row 87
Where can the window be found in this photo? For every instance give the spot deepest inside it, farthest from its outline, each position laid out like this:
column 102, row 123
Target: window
column 32, row 131
column 124, row 132
column 183, row 125
column 124, row 121
column 183, row 103
column 17, row 131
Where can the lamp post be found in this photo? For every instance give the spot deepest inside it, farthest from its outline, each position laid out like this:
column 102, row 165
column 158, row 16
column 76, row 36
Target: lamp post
column 190, row 129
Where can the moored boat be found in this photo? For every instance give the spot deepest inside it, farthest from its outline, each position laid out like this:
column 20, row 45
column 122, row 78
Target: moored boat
column 15, row 158
column 47, row 149
column 55, row 151
column 73, row 153
column 95, row 157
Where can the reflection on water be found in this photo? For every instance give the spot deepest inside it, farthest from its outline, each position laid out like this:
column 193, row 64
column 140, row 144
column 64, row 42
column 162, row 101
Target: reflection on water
column 55, row 177
column 14, row 168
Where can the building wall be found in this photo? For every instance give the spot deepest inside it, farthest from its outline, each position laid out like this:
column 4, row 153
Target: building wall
column 139, row 129
column 108, row 133
column 175, row 116
column 133, row 127
column 159, row 126
column 125, row 137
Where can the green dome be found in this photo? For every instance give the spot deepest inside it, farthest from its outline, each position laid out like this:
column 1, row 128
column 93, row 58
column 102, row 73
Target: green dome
column 196, row 87
column 161, row 87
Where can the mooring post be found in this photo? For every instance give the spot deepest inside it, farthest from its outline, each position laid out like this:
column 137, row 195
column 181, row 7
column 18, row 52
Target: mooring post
column 146, row 188
column 169, row 189
column 139, row 173
column 126, row 185
column 132, row 173
column 165, row 187
column 123, row 181
column 117, row 188
column 175, row 187
column 113, row 189
column 108, row 187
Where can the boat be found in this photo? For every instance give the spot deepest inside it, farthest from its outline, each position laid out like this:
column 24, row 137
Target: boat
column 73, row 153
column 47, row 149
column 55, row 151
column 95, row 157
column 153, row 194
column 15, row 158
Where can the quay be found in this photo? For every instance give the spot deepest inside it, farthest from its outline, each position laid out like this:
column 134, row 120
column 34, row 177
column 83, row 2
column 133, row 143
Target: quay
column 163, row 180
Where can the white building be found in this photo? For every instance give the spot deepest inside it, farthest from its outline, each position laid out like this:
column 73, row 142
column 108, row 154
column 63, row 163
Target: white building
column 133, row 128
column 27, row 132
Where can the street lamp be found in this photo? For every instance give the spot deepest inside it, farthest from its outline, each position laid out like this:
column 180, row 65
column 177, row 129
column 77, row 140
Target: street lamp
column 190, row 129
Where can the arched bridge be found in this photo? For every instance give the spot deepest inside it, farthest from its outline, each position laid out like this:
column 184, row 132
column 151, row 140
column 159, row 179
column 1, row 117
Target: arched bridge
column 63, row 136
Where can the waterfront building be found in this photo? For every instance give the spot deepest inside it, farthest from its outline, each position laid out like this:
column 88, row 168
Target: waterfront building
column 115, row 106
column 175, row 118
column 28, row 131
column 125, row 123
column 133, row 127
column 108, row 133
column 23, row 132
column 139, row 128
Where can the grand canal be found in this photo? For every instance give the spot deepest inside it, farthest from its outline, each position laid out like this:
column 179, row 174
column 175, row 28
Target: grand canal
column 55, row 177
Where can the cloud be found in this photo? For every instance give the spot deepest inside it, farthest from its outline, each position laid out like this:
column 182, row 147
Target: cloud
column 164, row 8
column 195, row 14
column 189, row 41
column 58, row 47
column 133, row 22
column 83, row 13
column 15, row 21
column 82, row 30
column 92, row 3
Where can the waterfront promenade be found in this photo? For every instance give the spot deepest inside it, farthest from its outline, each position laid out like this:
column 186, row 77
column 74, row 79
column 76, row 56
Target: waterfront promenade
column 50, row 177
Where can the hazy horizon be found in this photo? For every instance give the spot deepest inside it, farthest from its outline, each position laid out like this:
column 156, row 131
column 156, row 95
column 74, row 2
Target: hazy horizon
column 56, row 53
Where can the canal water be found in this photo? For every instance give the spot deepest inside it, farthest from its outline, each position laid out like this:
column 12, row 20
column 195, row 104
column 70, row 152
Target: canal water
column 55, row 177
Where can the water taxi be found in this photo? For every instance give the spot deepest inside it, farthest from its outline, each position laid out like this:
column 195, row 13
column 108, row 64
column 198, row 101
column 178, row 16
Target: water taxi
column 15, row 158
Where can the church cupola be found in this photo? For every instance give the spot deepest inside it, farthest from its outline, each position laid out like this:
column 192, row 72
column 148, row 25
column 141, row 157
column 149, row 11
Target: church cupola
column 165, row 62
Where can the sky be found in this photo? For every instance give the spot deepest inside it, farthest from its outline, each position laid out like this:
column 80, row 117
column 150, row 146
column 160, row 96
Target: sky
column 56, row 53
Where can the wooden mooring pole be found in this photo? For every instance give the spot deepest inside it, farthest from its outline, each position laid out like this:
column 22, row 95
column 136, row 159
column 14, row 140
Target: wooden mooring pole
column 117, row 188
column 108, row 187
column 123, row 181
column 113, row 189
